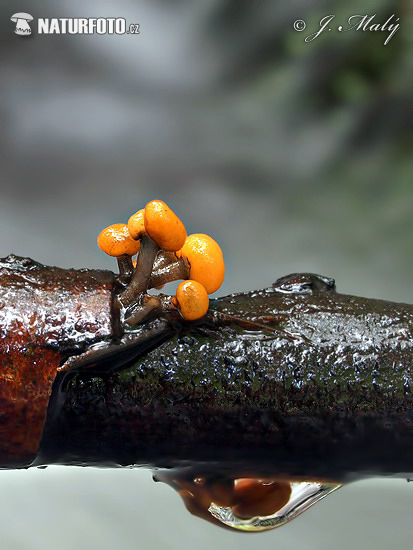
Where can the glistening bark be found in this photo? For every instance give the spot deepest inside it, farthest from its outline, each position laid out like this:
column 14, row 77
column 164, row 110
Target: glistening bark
column 46, row 314
column 295, row 379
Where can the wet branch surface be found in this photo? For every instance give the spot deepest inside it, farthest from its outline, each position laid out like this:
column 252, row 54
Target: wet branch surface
column 295, row 379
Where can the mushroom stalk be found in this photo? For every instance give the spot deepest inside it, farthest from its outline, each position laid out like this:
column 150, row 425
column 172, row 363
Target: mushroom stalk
column 163, row 259
column 139, row 282
column 166, row 273
column 125, row 266
column 140, row 312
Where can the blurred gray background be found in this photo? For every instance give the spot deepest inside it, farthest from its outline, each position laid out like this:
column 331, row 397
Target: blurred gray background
column 295, row 156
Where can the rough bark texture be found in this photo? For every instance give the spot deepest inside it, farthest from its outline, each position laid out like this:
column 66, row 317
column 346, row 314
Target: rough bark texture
column 45, row 314
column 334, row 402
column 320, row 385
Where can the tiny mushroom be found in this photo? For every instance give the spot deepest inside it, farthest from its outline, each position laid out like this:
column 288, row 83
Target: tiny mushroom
column 164, row 226
column 116, row 241
column 136, row 224
column 22, row 23
column 165, row 254
column 205, row 260
column 192, row 299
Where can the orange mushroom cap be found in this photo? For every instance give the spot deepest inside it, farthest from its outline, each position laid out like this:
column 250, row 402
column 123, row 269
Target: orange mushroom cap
column 192, row 299
column 116, row 241
column 136, row 224
column 205, row 260
column 164, row 226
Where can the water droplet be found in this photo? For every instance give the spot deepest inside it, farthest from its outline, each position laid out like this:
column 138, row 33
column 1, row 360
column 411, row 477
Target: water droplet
column 303, row 495
column 246, row 504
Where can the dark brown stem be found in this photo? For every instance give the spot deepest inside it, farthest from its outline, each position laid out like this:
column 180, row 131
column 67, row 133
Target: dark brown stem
column 141, row 276
column 125, row 269
column 224, row 318
column 163, row 258
column 141, row 312
column 175, row 271
column 153, row 306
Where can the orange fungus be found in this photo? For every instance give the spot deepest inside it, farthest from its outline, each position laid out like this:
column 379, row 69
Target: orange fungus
column 116, row 241
column 192, row 299
column 205, row 259
column 164, row 226
column 136, row 224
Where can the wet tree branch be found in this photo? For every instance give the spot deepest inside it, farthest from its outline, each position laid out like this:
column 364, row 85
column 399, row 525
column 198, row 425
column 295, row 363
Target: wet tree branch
column 295, row 379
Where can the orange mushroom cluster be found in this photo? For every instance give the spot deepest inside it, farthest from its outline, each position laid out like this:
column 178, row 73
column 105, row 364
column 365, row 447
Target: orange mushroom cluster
column 166, row 254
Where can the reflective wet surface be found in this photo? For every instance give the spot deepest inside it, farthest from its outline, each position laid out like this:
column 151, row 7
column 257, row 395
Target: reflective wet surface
column 247, row 504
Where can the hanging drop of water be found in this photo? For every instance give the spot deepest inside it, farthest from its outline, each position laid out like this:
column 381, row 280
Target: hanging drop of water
column 246, row 504
column 303, row 495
